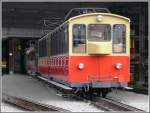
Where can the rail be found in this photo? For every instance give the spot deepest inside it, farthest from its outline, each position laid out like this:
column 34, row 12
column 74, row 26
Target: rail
column 30, row 104
column 108, row 104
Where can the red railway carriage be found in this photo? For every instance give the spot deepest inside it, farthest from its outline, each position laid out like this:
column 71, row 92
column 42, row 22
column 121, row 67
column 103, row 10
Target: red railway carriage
column 88, row 50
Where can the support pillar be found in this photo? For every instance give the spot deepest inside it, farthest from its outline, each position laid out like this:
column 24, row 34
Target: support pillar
column 142, row 29
column 11, row 56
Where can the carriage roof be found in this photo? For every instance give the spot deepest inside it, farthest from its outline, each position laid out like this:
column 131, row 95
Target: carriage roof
column 84, row 15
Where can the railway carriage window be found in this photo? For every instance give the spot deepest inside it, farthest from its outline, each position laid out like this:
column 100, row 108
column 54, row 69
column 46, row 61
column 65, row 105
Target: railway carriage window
column 99, row 32
column 55, row 43
column 119, row 38
column 59, row 42
column 79, row 38
column 65, row 41
column 43, row 48
column 40, row 52
column 52, row 44
column 40, row 49
column 49, row 45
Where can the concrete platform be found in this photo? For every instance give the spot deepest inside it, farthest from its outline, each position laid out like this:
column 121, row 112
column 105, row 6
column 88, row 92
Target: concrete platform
column 27, row 87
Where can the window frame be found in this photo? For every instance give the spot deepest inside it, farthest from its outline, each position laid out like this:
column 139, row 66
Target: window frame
column 85, row 39
column 100, row 40
column 58, row 45
column 124, row 52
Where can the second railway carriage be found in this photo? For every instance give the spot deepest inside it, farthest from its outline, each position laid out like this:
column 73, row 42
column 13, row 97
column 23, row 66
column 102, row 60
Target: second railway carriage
column 31, row 59
column 88, row 51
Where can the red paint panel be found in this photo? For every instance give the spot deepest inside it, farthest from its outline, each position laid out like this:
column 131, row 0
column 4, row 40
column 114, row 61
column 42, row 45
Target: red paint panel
column 124, row 73
column 99, row 69
column 56, row 67
column 105, row 68
column 89, row 73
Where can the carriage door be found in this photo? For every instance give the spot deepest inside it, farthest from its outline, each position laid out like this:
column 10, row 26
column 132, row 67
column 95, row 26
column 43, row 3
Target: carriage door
column 100, row 35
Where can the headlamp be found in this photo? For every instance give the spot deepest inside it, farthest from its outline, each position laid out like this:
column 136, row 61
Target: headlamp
column 81, row 66
column 118, row 66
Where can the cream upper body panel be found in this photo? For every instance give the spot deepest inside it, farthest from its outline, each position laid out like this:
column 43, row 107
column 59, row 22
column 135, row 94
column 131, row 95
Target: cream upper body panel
column 107, row 18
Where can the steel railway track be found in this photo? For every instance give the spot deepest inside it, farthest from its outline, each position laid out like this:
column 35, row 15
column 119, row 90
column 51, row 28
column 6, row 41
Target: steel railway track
column 29, row 104
column 108, row 104
column 105, row 104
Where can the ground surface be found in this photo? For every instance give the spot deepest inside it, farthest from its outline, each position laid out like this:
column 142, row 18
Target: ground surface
column 140, row 101
column 28, row 87
column 5, row 107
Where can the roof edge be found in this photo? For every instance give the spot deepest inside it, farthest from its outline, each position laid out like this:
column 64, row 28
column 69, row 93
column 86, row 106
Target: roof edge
column 110, row 14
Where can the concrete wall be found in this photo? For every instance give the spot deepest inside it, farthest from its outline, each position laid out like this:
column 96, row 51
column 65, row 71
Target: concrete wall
column 21, row 32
